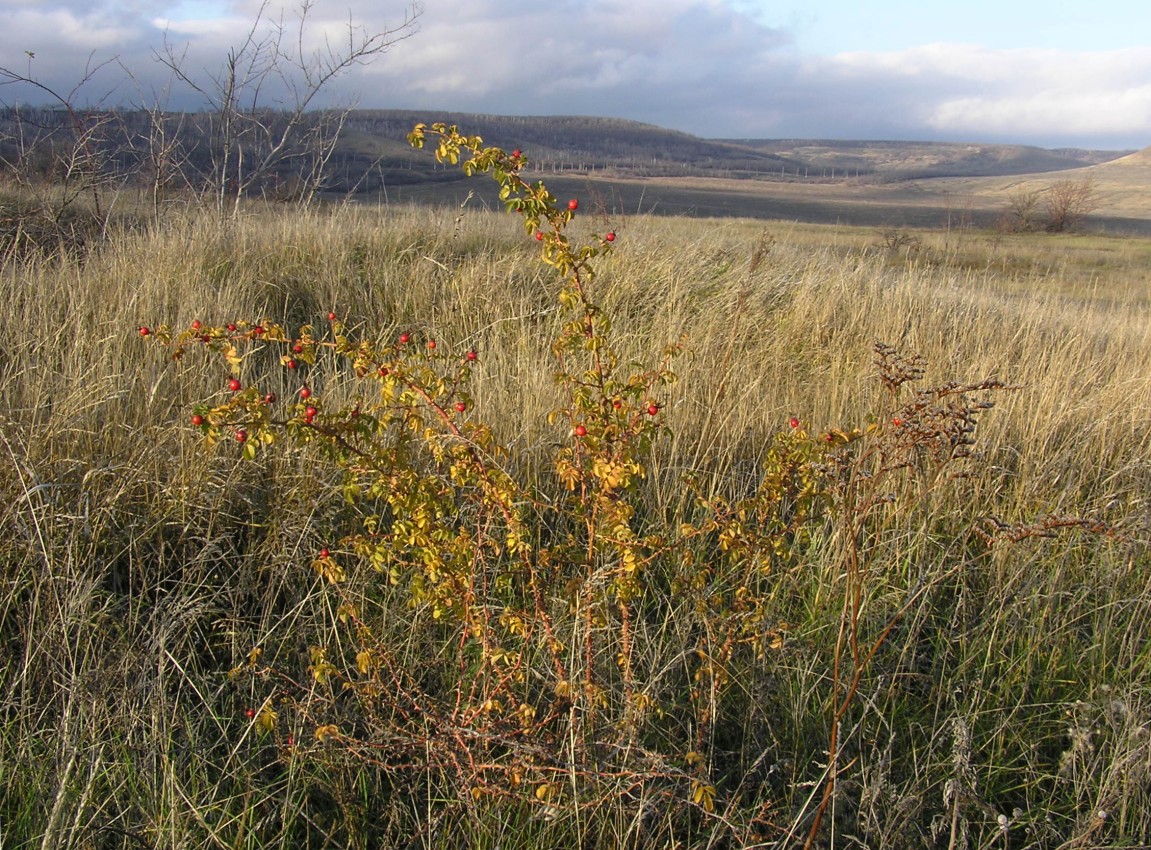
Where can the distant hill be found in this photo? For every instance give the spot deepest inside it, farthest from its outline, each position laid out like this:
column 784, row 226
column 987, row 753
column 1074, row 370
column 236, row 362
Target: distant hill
column 562, row 144
column 1140, row 157
column 621, row 148
column 887, row 161
column 372, row 159
column 1121, row 186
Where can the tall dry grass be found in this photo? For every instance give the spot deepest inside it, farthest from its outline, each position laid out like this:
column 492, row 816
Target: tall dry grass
column 1010, row 709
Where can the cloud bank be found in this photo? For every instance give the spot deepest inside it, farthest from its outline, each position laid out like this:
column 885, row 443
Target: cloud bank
column 703, row 66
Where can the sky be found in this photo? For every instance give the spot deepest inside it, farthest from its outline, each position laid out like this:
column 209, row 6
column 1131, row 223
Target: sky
column 1013, row 71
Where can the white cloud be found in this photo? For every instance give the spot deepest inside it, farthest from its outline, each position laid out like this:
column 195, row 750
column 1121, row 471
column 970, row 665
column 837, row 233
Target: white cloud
column 706, row 66
column 1027, row 94
column 1053, row 113
column 43, row 30
column 671, row 62
column 214, row 29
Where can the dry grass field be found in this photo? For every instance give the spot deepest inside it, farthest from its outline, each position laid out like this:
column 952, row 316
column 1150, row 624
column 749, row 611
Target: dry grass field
column 1009, row 706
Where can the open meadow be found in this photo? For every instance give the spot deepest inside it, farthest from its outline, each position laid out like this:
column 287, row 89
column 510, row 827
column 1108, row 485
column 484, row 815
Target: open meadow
column 1119, row 205
column 824, row 610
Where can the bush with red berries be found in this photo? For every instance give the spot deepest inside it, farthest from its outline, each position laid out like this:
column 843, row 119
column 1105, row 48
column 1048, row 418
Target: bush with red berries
column 544, row 689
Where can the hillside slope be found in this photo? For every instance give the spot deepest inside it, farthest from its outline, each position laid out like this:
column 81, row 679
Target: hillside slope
column 620, row 148
column 890, row 161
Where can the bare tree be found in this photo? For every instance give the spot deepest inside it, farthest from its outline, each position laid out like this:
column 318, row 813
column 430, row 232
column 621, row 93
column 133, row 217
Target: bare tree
column 1069, row 202
column 1022, row 211
column 1061, row 207
column 66, row 161
column 67, row 146
column 264, row 125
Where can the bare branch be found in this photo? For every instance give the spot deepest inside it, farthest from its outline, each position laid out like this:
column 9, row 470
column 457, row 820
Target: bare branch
column 263, row 100
column 84, row 164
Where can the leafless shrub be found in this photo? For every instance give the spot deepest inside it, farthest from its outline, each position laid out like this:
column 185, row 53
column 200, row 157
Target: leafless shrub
column 900, row 240
column 59, row 161
column 1021, row 214
column 1060, row 208
column 1069, row 202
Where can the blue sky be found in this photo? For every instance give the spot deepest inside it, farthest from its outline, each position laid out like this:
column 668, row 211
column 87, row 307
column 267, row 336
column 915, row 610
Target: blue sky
column 827, row 27
column 1009, row 71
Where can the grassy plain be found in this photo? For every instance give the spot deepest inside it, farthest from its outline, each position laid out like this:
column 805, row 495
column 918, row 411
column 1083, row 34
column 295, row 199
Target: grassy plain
column 1010, row 707
column 938, row 204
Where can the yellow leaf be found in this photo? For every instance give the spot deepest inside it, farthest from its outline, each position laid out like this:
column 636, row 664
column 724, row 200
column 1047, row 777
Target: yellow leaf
column 267, row 718
column 364, row 661
column 703, row 795
column 329, row 569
